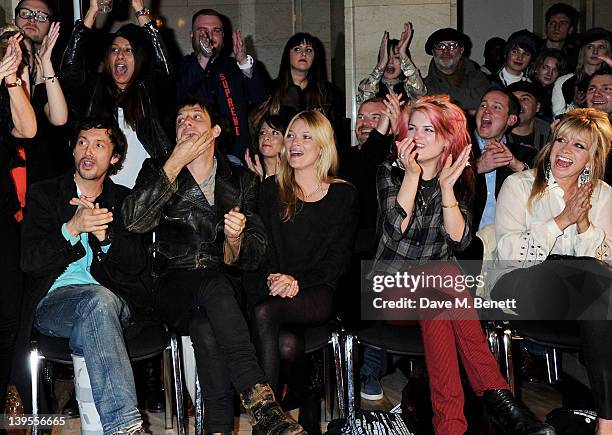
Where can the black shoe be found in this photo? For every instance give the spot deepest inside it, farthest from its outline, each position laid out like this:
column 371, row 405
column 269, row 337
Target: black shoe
column 71, row 408
column 154, row 393
column 310, row 415
column 512, row 416
column 528, row 368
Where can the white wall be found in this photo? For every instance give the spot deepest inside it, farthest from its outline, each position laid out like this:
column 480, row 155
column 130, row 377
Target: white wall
column 484, row 19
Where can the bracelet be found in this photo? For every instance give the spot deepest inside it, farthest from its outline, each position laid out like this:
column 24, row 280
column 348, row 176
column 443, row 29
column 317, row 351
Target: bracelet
column 143, row 11
column 452, row 205
column 52, row 78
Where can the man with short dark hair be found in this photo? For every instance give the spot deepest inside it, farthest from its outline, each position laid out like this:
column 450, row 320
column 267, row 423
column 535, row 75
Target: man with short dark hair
column 202, row 209
column 561, row 21
column 530, row 131
column 230, row 83
column 599, row 91
column 86, row 271
column 495, row 160
column 452, row 73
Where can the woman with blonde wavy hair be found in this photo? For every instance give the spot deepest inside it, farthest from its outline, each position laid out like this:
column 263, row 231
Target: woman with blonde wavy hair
column 554, row 243
column 311, row 219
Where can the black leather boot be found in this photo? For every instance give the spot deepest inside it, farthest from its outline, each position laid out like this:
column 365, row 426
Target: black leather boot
column 310, row 415
column 266, row 414
column 512, row 416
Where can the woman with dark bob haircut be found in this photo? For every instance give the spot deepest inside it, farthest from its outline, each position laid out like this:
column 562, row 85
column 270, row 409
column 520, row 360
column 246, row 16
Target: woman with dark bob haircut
column 302, row 81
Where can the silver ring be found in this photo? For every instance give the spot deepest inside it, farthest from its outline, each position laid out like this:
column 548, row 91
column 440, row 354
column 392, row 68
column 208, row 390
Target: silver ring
column 401, row 156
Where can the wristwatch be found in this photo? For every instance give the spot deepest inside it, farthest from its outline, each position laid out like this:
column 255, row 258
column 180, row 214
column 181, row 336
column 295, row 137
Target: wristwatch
column 13, row 85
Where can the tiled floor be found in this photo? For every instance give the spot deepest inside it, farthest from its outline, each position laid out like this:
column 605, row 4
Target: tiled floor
column 541, row 398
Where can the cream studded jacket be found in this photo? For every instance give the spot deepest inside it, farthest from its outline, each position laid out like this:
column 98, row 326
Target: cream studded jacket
column 526, row 236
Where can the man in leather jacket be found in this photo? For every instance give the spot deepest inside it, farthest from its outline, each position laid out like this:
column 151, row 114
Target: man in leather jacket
column 202, row 209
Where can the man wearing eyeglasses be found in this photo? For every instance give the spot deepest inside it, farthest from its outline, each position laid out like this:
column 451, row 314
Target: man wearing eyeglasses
column 34, row 18
column 452, row 73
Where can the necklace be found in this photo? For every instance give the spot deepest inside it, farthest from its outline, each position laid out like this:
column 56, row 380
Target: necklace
column 317, row 189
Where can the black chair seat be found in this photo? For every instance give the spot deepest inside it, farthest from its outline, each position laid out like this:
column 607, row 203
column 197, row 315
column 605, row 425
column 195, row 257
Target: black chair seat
column 144, row 340
column 562, row 335
column 317, row 337
column 401, row 340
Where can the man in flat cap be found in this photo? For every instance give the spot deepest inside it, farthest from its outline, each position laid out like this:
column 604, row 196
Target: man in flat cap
column 452, row 73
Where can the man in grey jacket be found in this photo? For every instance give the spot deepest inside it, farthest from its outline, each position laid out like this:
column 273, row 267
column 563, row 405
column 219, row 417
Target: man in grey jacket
column 452, row 73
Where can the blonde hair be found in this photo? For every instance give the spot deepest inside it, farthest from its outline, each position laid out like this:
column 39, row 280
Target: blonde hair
column 593, row 124
column 323, row 135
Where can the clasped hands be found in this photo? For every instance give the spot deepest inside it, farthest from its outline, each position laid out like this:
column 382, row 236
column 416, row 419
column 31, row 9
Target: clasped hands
column 282, row 285
column 496, row 155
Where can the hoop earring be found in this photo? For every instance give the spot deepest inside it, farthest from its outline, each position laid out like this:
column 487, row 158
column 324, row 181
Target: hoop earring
column 585, row 176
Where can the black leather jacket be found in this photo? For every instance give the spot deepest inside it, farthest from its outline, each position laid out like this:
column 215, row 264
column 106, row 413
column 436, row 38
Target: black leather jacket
column 188, row 231
column 87, row 94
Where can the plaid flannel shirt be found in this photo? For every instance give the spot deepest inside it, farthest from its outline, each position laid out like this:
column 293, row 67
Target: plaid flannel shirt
column 425, row 237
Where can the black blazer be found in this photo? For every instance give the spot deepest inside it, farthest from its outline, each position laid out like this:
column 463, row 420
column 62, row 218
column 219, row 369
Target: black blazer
column 45, row 254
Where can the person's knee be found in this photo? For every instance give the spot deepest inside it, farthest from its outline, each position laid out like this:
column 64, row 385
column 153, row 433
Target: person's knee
column 201, row 332
column 288, row 346
column 100, row 301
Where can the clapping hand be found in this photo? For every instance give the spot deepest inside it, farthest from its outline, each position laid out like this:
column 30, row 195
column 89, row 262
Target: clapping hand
column 12, row 57
column 383, row 52
column 407, row 155
column 405, row 39
column 239, row 52
column 451, row 171
column 43, row 55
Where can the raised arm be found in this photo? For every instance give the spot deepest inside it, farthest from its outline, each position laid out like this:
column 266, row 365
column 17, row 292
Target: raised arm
column 22, row 113
column 56, row 108
column 413, row 85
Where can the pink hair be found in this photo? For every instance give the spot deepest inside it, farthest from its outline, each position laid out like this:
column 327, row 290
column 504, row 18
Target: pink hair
column 447, row 119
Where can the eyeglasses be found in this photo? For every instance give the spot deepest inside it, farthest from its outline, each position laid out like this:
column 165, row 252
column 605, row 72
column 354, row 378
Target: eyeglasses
column 450, row 46
column 26, row 14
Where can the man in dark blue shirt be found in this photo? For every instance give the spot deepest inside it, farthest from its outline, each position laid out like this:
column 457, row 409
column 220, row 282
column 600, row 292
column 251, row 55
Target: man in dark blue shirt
column 231, row 84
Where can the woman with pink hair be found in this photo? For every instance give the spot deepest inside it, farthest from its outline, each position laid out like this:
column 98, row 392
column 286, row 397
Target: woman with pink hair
column 425, row 195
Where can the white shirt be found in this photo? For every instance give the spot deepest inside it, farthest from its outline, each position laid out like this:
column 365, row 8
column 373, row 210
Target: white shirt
column 134, row 157
column 526, row 236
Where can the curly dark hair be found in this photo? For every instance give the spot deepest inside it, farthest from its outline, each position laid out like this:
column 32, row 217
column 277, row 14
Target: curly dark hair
column 115, row 135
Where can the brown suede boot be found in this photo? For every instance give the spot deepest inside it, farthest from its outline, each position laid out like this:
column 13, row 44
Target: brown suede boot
column 267, row 417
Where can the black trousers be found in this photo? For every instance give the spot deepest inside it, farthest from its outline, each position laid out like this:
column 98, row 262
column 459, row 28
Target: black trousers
column 577, row 290
column 11, row 292
column 203, row 304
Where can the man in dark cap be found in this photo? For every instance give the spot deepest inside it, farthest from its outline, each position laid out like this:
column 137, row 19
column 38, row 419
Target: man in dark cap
column 451, row 73
column 530, row 131
column 519, row 51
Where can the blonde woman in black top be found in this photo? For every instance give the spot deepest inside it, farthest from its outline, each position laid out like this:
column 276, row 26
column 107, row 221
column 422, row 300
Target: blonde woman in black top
column 311, row 219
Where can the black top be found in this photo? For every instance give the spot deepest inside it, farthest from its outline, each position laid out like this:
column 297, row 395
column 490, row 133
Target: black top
column 315, row 247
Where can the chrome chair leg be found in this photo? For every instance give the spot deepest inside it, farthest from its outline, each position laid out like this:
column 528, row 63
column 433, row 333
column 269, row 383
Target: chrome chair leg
column 34, row 376
column 167, row 358
column 178, row 386
column 339, row 374
column 350, row 375
column 199, row 412
column 493, row 340
column 508, row 361
column 327, row 378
